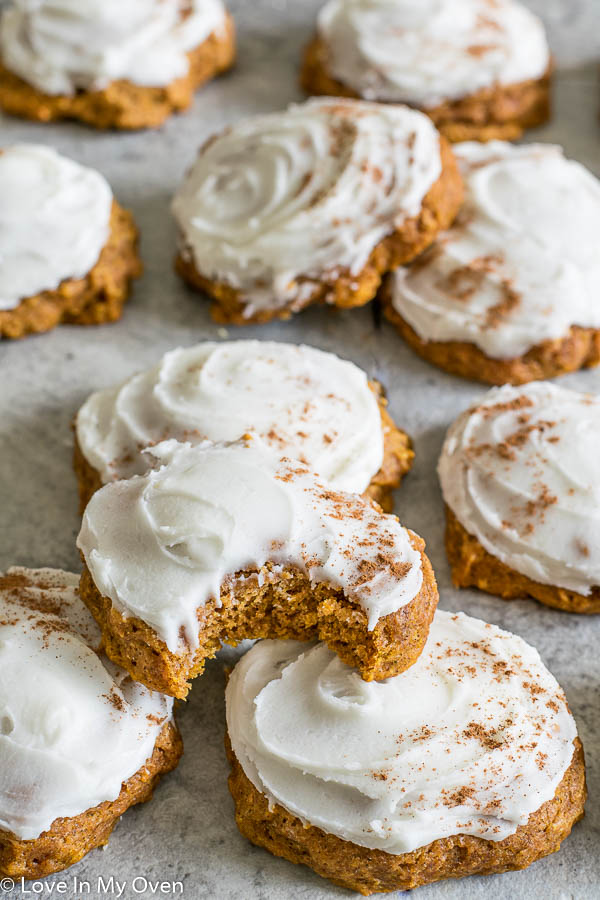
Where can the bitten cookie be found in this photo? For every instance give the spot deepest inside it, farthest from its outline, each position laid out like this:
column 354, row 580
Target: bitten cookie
column 520, row 474
column 229, row 541
column 468, row 763
column 479, row 69
column 107, row 63
column 68, row 250
column 80, row 742
column 509, row 293
column 312, row 205
column 304, row 403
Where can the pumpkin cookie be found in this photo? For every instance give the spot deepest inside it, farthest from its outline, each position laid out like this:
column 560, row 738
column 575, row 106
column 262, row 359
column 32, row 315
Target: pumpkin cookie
column 68, row 250
column 80, row 742
column 306, row 404
column 110, row 64
column 479, row 69
column 509, row 294
column 521, row 479
column 466, row 764
column 312, row 205
column 230, row 541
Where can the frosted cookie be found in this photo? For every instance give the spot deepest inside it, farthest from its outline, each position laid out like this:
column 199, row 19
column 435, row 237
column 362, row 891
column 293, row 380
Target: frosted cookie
column 509, row 294
column 229, row 541
column 311, row 205
column 80, row 742
column 479, row 68
column 520, row 475
column 304, row 403
column 468, row 763
column 107, row 63
column 68, row 251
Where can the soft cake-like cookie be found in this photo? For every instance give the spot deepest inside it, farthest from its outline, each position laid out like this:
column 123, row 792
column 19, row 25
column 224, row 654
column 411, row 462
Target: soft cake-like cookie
column 520, row 474
column 306, row 404
column 312, row 205
column 107, row 63
column 229, row 541
column 80, row 742
column 510, row 292
column 468, row 763
column 68, row 250
column 479, row 68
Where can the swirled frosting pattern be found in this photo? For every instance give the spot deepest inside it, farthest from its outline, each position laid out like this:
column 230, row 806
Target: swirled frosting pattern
column 435, row 50
column 304, row 403
column 60, row 46
column 279, row 202
column 510, row 274
column 54, row 220
column 161, row 545
column 472, row 739
column 73, row 726
column 521, row 472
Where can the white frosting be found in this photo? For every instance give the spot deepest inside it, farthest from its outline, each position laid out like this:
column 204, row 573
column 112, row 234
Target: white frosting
column 73, row 726
column 279, row 202
column 430, row 51
column 304, row 403
column 60, row 46
column 54, row 220
column 471, row 739
column 521, row 472
column 510, row 274
column 161, row 545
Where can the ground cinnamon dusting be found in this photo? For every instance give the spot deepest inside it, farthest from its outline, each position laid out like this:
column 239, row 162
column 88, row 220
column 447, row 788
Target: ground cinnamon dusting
column 459, row 797
column 423, row 734
column 521, row 402
column 488, row 739
column 368, row 569
column 465, row 281
column 115, row 700
column 479, row 50
column 498, row 313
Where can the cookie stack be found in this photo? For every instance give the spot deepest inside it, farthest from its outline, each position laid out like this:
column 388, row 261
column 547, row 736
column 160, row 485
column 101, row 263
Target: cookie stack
column 383, row 743
column 212, row 541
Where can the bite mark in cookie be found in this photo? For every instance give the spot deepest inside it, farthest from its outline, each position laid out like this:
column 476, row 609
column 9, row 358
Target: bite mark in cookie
column 226, row 542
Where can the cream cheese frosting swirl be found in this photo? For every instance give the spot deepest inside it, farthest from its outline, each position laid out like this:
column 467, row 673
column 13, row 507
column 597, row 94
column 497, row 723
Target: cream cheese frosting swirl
column 60, row 46
column 73, row 726
column 280, row 201
column 161, row 545
column 435, row 50
column 509, row 274
column 521, row 472
column 471, row 739
column 305, row 403
column 54, row 220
